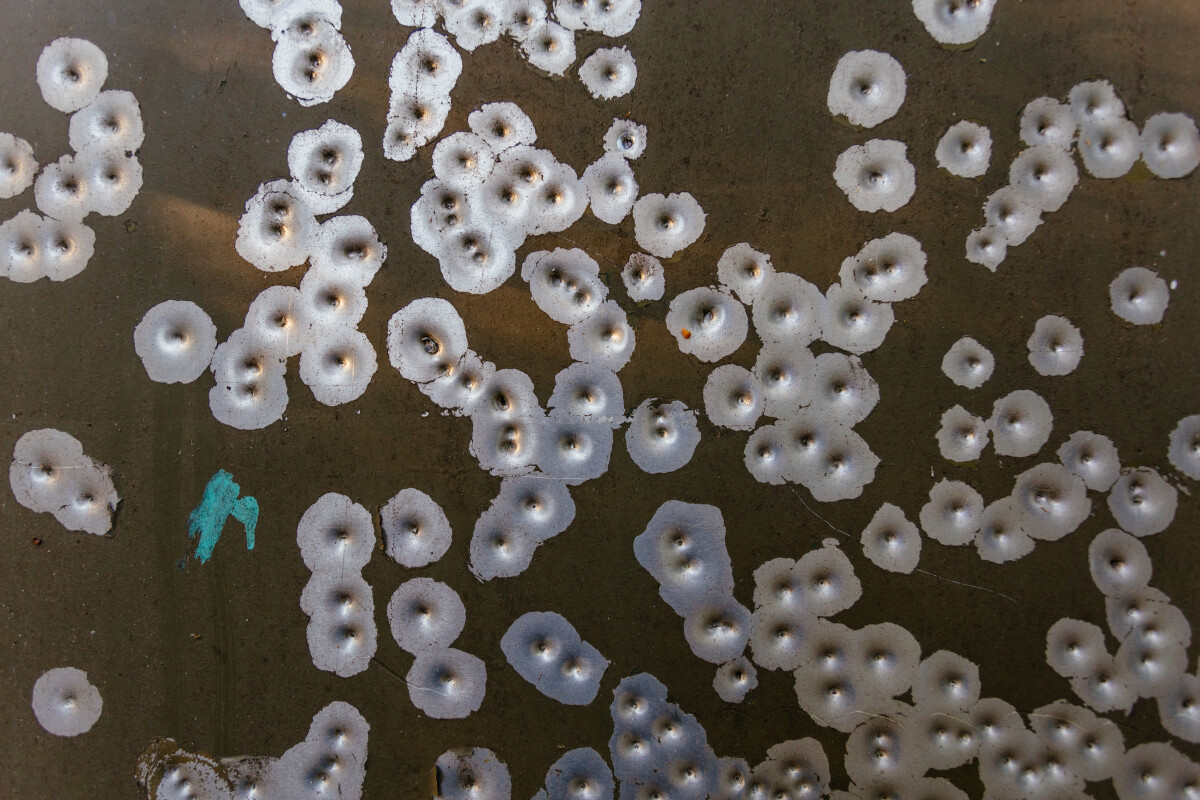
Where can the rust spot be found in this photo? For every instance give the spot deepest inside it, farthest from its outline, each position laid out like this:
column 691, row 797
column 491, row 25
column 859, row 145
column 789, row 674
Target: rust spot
column 686, row 333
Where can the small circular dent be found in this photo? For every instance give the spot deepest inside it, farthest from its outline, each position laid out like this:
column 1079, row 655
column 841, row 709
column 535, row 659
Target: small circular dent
column 1139, row 296
column 70, row 73
column 735, row 679
column 1142, row 502
column 965, row 149
column 175, row 340
column 876, row 176
column 867, row 87
column 608, row 73
column 65, row 703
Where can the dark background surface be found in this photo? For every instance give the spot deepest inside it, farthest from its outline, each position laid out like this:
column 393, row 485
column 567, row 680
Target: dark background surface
column 734, row 98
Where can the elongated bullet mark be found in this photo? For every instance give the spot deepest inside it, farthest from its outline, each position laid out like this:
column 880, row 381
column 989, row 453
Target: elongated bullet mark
column 220, row 502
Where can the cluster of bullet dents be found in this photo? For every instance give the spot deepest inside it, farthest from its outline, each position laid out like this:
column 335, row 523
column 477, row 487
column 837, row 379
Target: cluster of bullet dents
column 102, row 176
column 849, row 680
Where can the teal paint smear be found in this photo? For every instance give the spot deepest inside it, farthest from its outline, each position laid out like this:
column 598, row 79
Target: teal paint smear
column 220, row 502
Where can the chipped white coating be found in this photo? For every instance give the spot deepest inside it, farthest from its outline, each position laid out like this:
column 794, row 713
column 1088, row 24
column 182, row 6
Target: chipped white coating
column 1184, row 450
column 324, row 163
column 1142, row 502
column 843, row 389
column 1046, row 121
column 887, row 269
column 788, row 377
column 1109, row 147
column 549, row 47
column 426, row 67
column 954, row 22
column 472, row 774
column 1139, row 296
column 852, row 322
column 608, row 73
column 546, row 650
column 1170, row 145
column 987, row 247
column 613, row 19
column 664, row 225
column 175, row 341
column 275, row 232
column 1002, row 536
column 590, row 392
column 735, row 679
column 113, row 120
column 890, row 541
column 1055, row 346
column 564, row 283
column 70, row 73
column 63, row 190
column 1021, row 422
column 832, row 461
column 65, row 703
column 423, row 336
column 962, row 436
column 446, row 683
column 33, row 247
column 50, row 473
column 611, row 187
column 113, row 177
column 250, row 403
column 312, row 61
column 604, row 338
column 876, row 176
column 1074, row 648
column 644, row 277
column 1053, row 499
column 424, row 614
column 473, row 23
column 953, row 514
column 348, row 247
column 1010, row 216
column 1119, row 563
column 1091, row 101
column 662, row 437
column 1093, row 458
column 968, row 363
column 626, row 138
column 277, row 320
column 867, row 87
column 573, row 449
column 341, row 633
column 339, row 365
column 502, row 125
column 416, row 532
column 17, row 165
column 787, row 310
column 1044, row 176
column 965, row 149
column 413, row 122
column 744, row 271
column 733, row 398
column 707, row 323
column 946, row 681
column 335, row 533
column 463, row 160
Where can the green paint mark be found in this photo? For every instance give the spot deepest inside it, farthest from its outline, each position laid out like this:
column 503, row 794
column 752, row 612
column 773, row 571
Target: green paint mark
column 220, row 502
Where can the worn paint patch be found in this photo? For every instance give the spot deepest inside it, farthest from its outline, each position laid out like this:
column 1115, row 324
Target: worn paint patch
column 220, row 502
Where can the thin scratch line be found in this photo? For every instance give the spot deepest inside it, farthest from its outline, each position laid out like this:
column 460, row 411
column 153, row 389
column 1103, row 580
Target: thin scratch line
column 818, row 516
column 970, row 585
column 925, row 572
